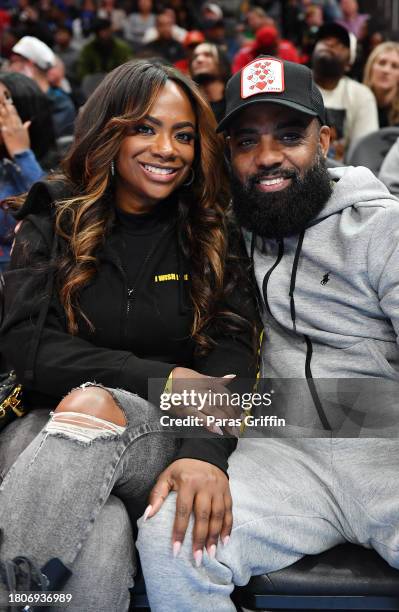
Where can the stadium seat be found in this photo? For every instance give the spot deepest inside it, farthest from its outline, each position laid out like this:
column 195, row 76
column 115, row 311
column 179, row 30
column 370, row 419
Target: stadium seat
column 371, row 150
column 347, row 577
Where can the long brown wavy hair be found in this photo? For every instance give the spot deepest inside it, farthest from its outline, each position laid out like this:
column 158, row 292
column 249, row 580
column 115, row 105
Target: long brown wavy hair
column 393, row 113
column 84, row 220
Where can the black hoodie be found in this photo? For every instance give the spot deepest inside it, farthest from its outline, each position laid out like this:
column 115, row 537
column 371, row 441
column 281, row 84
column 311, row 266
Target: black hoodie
column 141, row 314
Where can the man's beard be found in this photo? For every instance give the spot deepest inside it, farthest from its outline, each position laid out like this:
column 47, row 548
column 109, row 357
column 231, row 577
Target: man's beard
column 281, row 213
column 327, row 66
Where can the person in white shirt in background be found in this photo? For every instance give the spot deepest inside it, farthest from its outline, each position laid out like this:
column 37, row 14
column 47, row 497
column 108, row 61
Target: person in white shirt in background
column 351, row 106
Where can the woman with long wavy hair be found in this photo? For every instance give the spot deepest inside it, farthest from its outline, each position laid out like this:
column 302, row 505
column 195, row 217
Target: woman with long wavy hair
column 125, row 284
column 381, row 74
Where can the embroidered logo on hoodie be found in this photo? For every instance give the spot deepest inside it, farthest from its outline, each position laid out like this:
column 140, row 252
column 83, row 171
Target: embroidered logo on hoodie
column 325, row 279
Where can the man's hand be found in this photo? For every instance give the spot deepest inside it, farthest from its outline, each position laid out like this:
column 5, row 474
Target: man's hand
column 201, row 488
column 15, row 134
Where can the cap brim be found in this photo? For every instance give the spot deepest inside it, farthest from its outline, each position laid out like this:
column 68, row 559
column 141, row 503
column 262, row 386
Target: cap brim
column 227, row 119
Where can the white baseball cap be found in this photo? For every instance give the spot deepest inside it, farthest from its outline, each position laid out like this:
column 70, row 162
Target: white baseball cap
column 36, row 51
column 213, row 8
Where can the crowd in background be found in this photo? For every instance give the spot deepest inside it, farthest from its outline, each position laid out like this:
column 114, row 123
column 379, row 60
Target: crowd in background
column 66, row 47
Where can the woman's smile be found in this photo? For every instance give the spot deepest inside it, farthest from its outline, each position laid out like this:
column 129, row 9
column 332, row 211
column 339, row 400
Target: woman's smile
column 162, row 174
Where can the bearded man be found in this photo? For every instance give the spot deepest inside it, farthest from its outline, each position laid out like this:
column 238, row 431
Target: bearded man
column 324, row 246
column 351, row 106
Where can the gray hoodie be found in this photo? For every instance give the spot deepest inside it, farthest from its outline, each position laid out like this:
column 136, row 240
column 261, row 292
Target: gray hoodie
column 389, row 172
column 331, row 295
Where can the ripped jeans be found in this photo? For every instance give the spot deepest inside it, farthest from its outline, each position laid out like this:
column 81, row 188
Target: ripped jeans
column 56, row 501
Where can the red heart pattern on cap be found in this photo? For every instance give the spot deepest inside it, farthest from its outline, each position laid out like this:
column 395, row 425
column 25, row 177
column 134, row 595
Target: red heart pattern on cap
column 262, row 76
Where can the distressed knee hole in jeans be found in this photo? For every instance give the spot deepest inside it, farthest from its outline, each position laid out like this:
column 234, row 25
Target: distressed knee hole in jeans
column 81, row 427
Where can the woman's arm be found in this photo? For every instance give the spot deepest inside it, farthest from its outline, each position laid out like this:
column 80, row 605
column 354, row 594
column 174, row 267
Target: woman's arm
column 63, row 361
column 202, row 486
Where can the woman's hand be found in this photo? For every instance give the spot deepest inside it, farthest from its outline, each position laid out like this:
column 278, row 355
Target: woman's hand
column 15, row 134
column 206, row 396
column 201, row 488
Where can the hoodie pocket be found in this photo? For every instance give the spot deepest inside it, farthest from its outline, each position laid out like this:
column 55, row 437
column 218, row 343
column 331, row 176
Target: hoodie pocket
column 381, row 359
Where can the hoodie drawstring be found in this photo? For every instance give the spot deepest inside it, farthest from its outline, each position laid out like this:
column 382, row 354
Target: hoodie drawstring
column 293, row 278
column 258, row 296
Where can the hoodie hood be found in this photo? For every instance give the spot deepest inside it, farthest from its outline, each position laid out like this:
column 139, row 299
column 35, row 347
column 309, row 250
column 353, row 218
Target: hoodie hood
column 42, row 197
column 353, row 187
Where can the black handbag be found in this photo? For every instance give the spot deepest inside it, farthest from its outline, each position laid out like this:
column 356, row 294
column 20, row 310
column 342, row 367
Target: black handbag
column 11, row 405
column 11, row 393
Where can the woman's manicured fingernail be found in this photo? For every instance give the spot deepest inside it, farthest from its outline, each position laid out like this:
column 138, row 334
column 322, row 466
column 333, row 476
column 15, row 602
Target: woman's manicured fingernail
column 147, row 512
column 229, row 375
column 176, row 548
column 212, row 551
column 226, row 540
column 198, row 557
column 217, row 430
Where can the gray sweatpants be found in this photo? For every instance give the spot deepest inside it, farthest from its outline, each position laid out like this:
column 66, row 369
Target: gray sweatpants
column 290, row 498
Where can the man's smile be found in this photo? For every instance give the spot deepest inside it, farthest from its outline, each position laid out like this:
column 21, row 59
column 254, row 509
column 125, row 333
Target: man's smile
column 272, row 184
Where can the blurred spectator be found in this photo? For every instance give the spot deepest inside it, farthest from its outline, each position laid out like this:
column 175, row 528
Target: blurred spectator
column 34, row 58
column 56, row 76
column 104, row 53
column 138, row 22
column 66, row 50
column 116, row 16
column 291, row 22
column 9, row 38
column 257, row 18
column 87, row 16
column 214, row 27
column 332, row 10
column 178, row 33
column 5, row 20
column 50, row 13
column 27, row 145
column 210, row 11
column 381, row 74
column 165, row 45
column 313, row 20
column 267, row 42
column 352, row 20
column 192, row 39
column 32, row 105
column 373, row 34
column 29, row 23
column 351, row 107
column 70, row 10
column 210, row 69
column 184, row 13
column 273, row 8
column 389, row 172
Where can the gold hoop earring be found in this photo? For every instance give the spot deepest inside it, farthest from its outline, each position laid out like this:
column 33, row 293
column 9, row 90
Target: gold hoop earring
column 191, row 180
